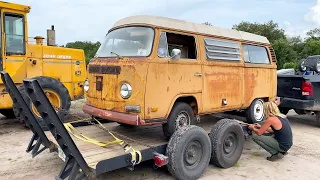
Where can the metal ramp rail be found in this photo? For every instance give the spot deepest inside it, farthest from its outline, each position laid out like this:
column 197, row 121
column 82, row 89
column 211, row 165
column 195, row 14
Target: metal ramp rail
column 38, row 138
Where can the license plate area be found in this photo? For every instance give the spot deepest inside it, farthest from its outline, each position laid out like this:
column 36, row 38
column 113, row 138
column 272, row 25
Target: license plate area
column 99, row 84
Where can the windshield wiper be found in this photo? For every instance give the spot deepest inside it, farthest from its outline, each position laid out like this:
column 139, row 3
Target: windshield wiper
column 120, row 57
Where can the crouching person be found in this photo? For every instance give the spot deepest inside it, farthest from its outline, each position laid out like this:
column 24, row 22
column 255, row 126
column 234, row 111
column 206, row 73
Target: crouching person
column 278, row 125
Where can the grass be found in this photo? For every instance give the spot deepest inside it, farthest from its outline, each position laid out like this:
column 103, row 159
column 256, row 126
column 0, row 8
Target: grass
column 237, row 164
column 9, row 159
column 255, row 154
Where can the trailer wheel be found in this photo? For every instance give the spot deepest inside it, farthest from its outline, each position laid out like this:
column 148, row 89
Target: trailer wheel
column 188, row 152
column 318, row 118
column 8, row 113
column 180, row 115
column 255, row 113
column 57, row 94
column 227, row 139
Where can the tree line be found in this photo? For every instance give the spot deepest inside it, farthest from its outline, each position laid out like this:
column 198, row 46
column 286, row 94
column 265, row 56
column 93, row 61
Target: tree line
column 289, row 50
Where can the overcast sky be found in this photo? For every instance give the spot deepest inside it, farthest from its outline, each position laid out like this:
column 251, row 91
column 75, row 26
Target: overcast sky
column 90, row 19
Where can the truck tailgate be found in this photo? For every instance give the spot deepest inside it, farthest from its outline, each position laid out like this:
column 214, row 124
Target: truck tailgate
column 290, row 86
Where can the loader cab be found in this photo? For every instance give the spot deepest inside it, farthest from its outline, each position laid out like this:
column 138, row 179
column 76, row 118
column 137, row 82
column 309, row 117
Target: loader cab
column 13, row 38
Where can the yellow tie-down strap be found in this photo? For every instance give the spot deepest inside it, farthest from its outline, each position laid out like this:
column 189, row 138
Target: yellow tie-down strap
column 76, row 133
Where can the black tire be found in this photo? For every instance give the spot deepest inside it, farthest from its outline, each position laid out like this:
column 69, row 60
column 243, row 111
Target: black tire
column 302, row 66
column 300, row 111
column 316, row 66
column 8, row 113
column 250, row 112
column 192, row 167
column 47, row 83
column 179, row 108
column 318, row 119
column 284, row 110
column 227, row 140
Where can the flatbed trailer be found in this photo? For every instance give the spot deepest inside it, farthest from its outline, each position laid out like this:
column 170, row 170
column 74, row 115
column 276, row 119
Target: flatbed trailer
column 81, row 144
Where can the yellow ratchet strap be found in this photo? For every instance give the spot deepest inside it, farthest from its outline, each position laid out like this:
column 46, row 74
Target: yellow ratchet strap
column 73, row 131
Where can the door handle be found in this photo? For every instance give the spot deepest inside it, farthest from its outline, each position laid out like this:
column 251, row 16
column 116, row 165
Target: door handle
column 198, row 74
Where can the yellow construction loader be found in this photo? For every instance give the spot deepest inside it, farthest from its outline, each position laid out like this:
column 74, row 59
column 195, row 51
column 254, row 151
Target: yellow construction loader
column 60, row 71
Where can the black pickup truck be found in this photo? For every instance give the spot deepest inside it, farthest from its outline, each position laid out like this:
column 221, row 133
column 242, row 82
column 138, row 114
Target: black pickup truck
column 301, row 90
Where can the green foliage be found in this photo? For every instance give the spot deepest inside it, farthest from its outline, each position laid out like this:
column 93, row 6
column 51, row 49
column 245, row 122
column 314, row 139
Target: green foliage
column 289, row 65
column 312, row 47
column 90, row 48
column 269, row 29
column 284, row 52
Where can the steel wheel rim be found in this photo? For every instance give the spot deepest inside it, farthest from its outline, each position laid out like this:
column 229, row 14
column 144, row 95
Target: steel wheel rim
column 182, row 119
column 258, row 111
column 230, row 144
column 54, row 99
column 193, row 154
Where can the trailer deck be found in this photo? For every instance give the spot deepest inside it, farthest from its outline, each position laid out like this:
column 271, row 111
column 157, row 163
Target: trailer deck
column 149, row 135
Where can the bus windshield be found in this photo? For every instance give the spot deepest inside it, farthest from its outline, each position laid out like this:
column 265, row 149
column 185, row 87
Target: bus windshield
column 127, row 41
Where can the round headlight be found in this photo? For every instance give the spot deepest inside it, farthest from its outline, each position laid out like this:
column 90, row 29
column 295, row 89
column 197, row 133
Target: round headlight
column 125, row 90
column 86, row 86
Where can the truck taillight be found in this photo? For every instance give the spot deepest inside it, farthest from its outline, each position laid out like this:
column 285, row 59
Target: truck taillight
column 160, row 160
column 307, row 89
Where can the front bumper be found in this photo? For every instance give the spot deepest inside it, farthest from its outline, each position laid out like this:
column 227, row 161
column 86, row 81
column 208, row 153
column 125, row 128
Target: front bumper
column 124, row 118
column 297, row 103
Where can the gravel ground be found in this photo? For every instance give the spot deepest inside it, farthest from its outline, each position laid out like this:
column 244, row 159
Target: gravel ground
column 302, row 162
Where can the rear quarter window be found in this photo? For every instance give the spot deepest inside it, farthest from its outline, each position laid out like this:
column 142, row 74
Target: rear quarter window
column 255, row 54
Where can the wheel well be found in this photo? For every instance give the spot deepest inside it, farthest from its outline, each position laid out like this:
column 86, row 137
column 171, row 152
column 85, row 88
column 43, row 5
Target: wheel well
column 192, row 101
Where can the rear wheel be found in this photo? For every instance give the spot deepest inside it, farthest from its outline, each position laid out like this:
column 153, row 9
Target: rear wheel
column 284, row 110
column 8, row 113
column 318, row 118
column 57, row 94
column 300, row 111
column 255, row 112
column 227, row 139
column 181, row 115
column 188, row 153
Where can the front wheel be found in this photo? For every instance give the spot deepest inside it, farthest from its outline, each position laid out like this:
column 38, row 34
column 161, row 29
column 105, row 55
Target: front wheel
column 181, row 115
column 57, row 94
column 255, row 113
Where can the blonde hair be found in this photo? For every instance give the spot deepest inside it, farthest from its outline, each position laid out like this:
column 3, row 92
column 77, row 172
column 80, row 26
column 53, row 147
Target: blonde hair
column 271, row 110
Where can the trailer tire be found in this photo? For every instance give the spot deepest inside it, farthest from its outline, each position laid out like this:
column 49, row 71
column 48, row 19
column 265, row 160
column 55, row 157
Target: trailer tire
column 255, row 114
column 227, row 140
column 318, row 119
column 181, row 112
column 8, row 113
column 58, row 90
column 188, row 152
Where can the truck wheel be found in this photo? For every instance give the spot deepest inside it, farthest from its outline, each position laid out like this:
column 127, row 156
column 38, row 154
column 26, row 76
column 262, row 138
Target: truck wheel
column 284, row 110
column 188, row 152
column 318, row 118
column 181, row 115
column 57, row 94
column 300, row 111
column 255, row 113
column 8, row 113
column 227, row 139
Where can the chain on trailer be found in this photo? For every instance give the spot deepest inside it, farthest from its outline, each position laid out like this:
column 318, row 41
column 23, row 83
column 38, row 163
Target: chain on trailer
column 91, row 121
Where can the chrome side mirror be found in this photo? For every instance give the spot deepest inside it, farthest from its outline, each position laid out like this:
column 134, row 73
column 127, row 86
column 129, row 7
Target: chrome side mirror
column 175, row 54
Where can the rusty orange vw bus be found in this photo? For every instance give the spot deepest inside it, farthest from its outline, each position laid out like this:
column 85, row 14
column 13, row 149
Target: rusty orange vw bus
column 155, row 70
